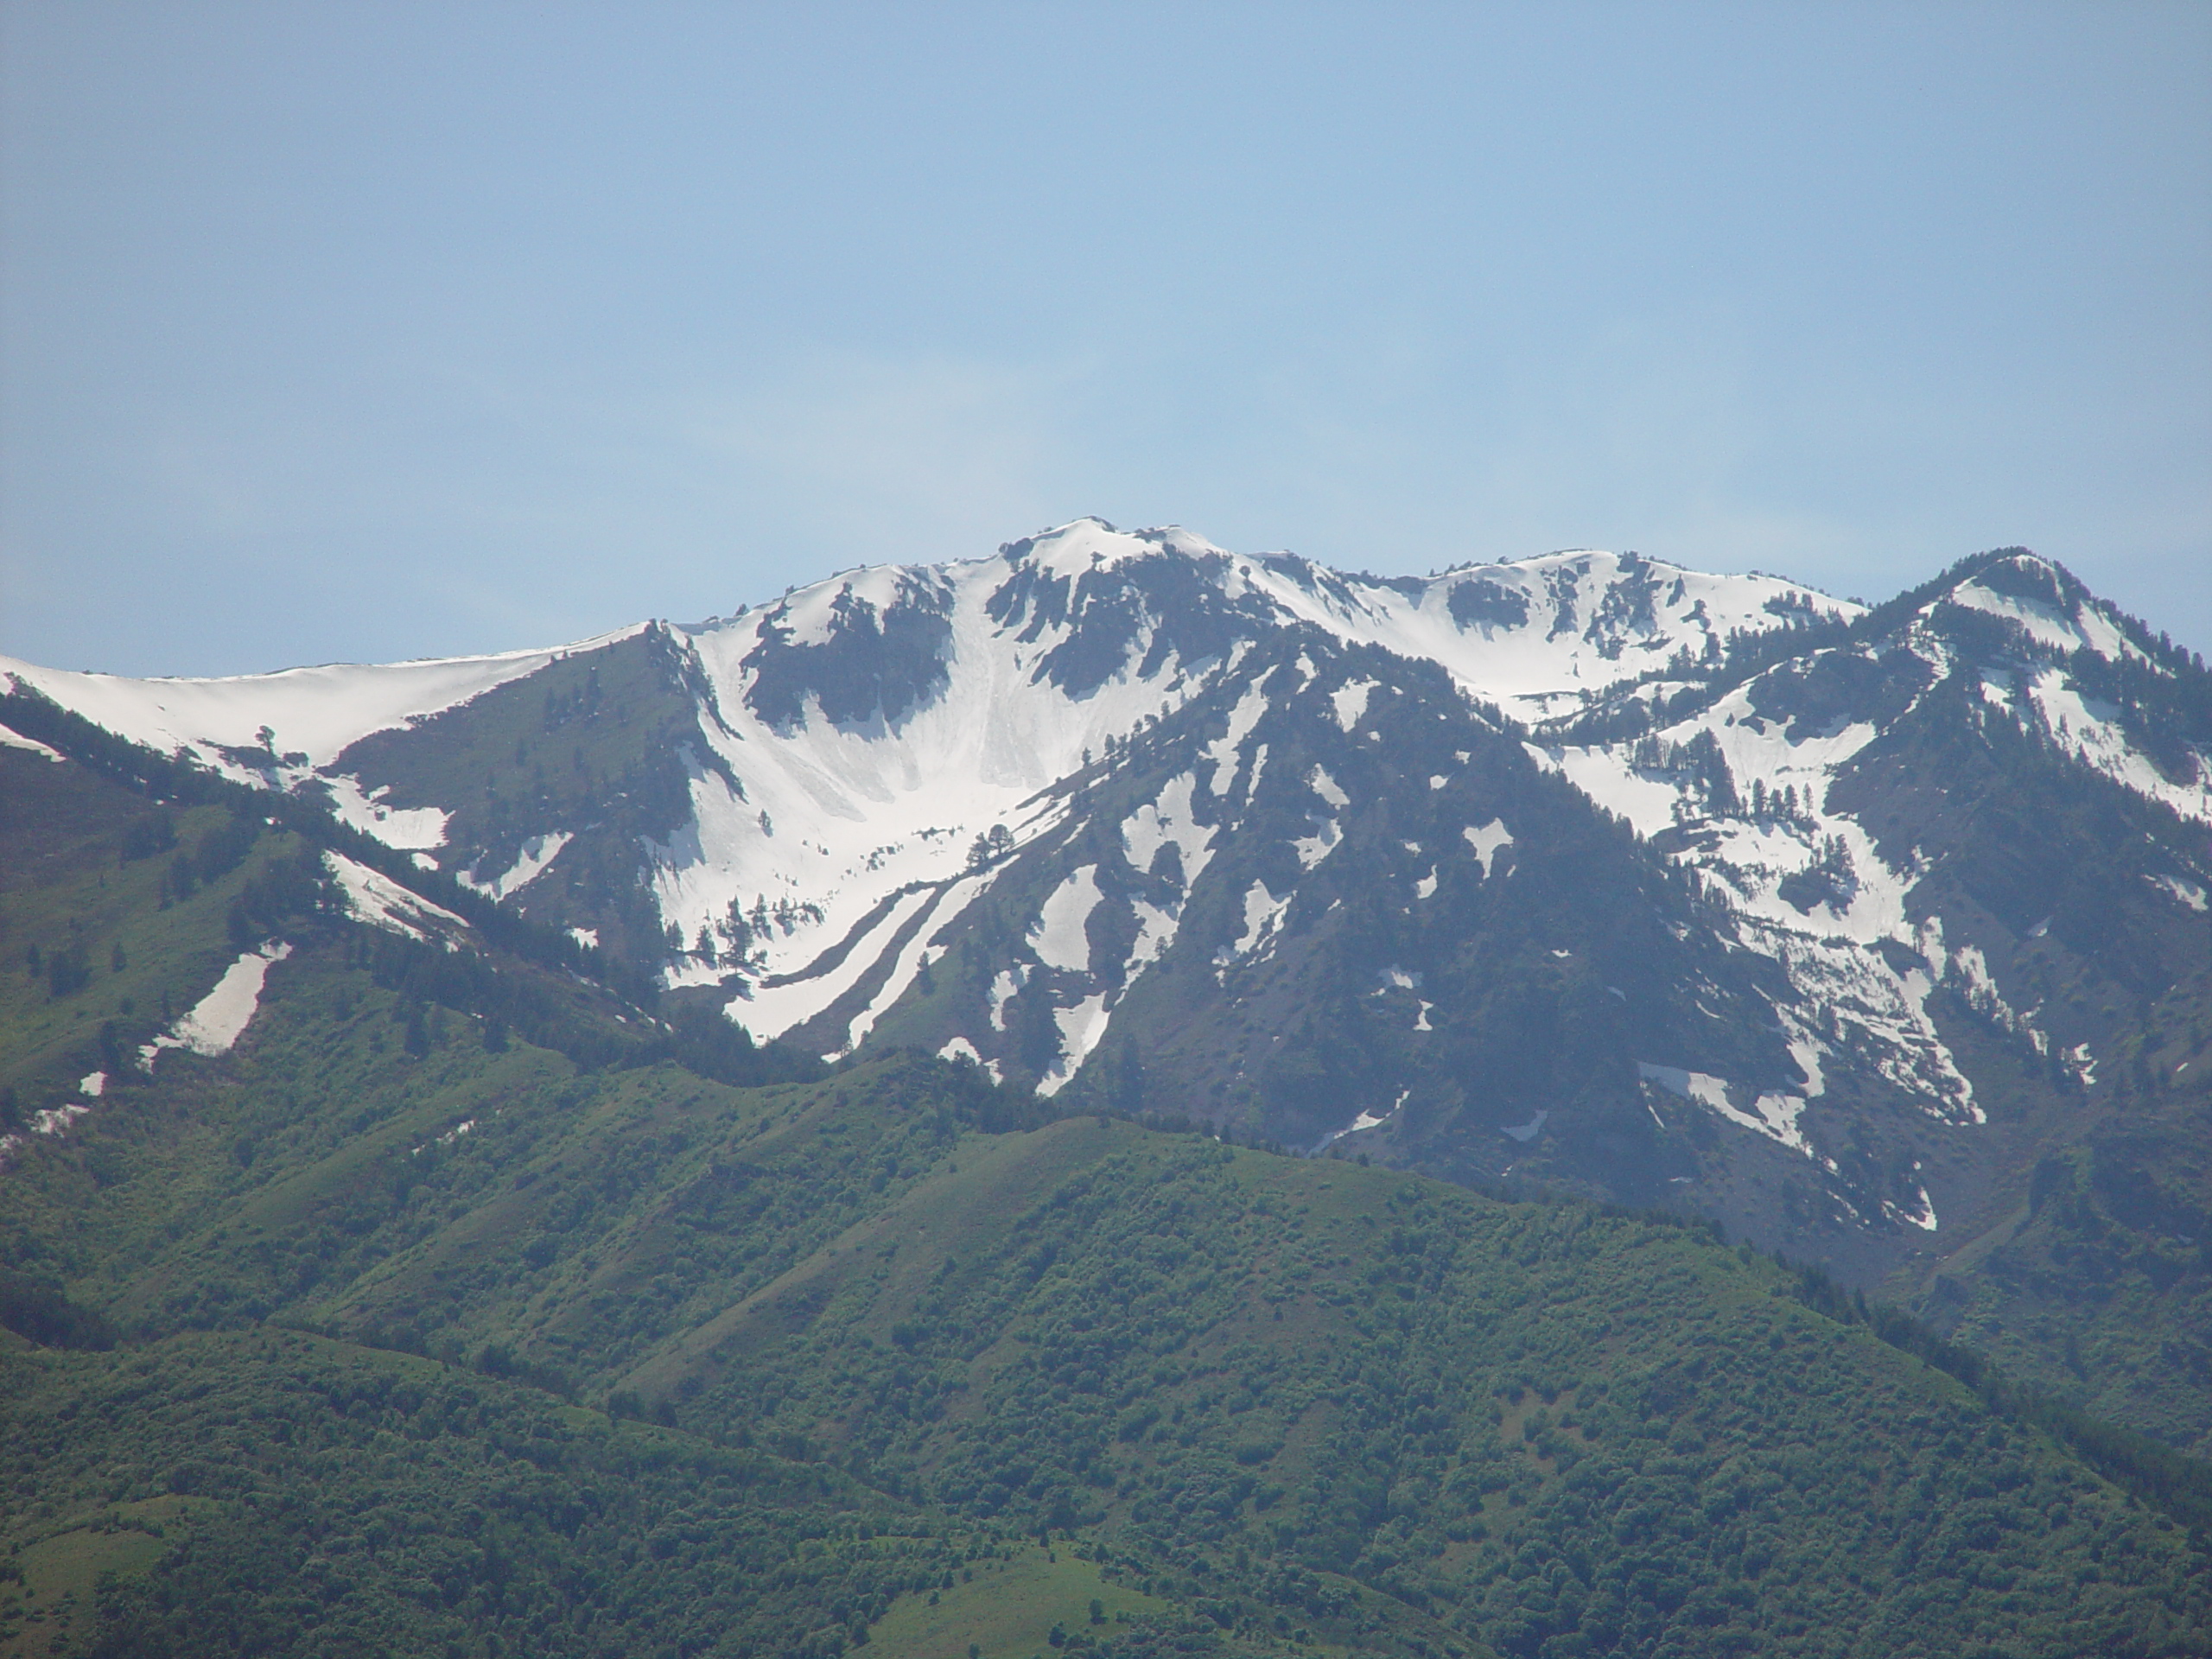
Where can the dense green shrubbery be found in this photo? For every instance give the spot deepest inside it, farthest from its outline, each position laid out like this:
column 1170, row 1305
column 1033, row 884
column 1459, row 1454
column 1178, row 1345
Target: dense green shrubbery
column 1537, row 1425
column 353, row 1503
column 2182, row 1486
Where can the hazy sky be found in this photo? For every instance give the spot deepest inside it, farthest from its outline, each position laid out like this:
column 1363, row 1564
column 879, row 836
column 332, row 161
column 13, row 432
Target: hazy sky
column 364, row 331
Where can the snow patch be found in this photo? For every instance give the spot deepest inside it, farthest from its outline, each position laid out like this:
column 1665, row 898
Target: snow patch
column 1967, row 971
column 2091, row 732
column 2047, row 624
column 1167, row 820
column 1058, row 934
column 1262, row 916
column 919, row 952
column 14, row 740
column 373, row 897
column 961, row 1048
column 402, row 829
column 768, row 1010
column 1259, row 765
column 1359, row 1125
column 1774, row 1116
column 1527, row 1132
column 1156, row 929
column 1487, row 840
column 530, row 863
column 1223, row 750
column 1312, row 849
column 466, row 1126
column 1009, row 981
column 2082, row 1064
column 217, row 1019
column 2187, row 892
column 1923, row 1215
column 1806, row 1053
column 1081, row 1027
column 1350, row 702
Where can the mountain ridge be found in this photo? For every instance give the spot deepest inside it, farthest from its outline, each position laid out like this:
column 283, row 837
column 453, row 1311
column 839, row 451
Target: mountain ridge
column 1319, row 858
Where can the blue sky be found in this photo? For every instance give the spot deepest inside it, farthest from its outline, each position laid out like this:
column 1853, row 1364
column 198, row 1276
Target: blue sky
column 352, row 331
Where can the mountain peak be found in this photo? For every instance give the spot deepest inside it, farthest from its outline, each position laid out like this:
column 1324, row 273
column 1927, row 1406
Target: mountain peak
column 1091, row 543
column 2040, row 603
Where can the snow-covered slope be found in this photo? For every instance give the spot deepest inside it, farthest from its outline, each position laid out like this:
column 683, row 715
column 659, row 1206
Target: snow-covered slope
column 1100, row 762
column 291, row 722
column 866, row 729
column 1752, row 787
column 1540, row 636
column 846, row 782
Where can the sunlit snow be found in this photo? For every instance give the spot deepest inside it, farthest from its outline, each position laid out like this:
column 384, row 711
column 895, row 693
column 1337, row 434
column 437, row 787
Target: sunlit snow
column 770, row 1010
column 376, row 898
column 1058, row 934
column 314, row 712
column 1262, row 914
column 1774, row 1116
column 1350, row 700
column 406, row 828
column 535, row 855
column 14, row 740
column 1488, row 840
column 2186, row 892
column 1169, row 819
column 220, row 1018
column 1081, row 1027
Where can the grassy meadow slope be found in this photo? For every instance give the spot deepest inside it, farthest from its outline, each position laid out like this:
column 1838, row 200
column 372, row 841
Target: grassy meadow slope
column 462, row 1308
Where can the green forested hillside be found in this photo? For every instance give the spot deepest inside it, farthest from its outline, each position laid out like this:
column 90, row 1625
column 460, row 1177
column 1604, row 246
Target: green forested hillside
column 278, row 1492
column 464, row 1308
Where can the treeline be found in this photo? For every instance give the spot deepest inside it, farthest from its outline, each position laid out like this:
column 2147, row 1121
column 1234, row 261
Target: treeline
column 693, row 1035
column 180, row 780
column 2168, row 1480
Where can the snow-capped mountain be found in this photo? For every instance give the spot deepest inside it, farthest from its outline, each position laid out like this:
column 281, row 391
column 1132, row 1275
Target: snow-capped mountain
column 849, row 741
column 1839, row 924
